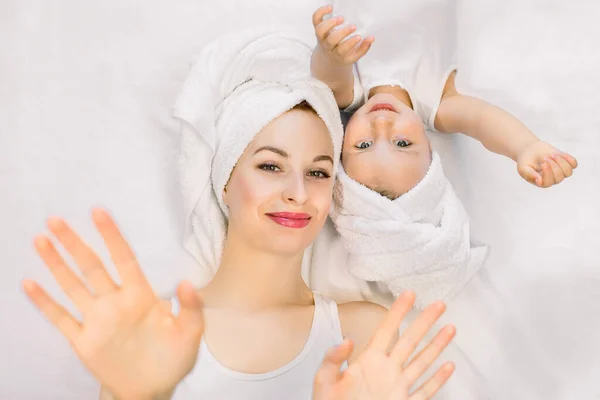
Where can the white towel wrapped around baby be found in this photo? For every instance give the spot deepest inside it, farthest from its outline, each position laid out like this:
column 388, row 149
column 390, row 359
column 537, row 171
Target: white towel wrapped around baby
column 419, row 241
column 238, row 85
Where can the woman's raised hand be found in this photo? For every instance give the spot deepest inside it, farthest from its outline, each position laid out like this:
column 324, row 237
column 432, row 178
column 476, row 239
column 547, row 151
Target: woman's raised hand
column 128, row 338
column 383, row 374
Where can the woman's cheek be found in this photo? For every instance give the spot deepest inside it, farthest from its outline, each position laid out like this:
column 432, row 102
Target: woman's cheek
column 321, row 195
column 258, row 187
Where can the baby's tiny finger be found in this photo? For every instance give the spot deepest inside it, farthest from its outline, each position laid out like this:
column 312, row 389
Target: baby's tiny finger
column 324, row 29
column 320, row 14
column 347, row 47
column 530, row 175
column 547, row 175
column 558, row 173
column 570, row 159
column 362, row 49
column 336, row 36
column 564, row 165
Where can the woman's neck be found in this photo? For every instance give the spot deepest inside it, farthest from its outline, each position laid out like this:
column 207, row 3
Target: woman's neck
column 396, row 91
column 251, row 279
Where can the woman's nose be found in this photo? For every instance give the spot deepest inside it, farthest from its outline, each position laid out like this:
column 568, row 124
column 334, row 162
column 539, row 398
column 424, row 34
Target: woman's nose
column 295, row 189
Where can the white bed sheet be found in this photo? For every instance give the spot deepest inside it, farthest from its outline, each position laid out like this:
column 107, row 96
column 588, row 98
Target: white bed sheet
column 86, row 90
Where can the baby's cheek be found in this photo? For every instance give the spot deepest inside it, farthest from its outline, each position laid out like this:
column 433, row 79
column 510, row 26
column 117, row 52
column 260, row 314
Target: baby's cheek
column 415, row 125
column 361, row 171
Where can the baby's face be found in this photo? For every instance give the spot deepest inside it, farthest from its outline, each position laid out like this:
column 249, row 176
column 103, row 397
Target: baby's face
column 385, row 146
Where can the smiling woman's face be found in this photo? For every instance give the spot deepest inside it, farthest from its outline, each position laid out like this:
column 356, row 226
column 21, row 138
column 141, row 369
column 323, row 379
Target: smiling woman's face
column 385, row 146
column 280, row 191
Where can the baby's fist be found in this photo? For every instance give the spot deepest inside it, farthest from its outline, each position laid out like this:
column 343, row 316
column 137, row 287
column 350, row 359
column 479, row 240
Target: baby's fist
column 543, row 165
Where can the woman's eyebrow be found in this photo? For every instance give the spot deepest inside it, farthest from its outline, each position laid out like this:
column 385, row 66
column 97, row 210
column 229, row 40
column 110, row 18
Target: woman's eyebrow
column 323, row 157
column 282, row 153
column 273, row 149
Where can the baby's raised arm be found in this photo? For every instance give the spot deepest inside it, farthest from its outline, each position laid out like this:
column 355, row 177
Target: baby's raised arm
column 335, row 54
column 537, row 162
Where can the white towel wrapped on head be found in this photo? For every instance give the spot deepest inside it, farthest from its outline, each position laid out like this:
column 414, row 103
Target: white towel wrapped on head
column 419, row 241
column 240, row 83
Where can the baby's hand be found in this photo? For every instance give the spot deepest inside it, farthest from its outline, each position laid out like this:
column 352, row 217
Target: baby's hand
column 331, row 44
column 543, row 165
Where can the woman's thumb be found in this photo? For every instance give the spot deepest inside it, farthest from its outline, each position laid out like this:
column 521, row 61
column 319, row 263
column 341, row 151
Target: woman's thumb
column 190, row 316
column 329, row 370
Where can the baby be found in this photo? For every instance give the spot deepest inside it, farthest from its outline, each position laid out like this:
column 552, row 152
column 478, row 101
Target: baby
column 399, row 217
column 385, row 145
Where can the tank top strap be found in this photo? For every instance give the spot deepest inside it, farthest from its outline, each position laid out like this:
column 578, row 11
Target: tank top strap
column 326, row 310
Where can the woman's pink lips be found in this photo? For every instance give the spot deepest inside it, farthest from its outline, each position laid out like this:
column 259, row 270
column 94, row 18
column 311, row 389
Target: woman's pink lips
column 290, row 220
column 383, row 106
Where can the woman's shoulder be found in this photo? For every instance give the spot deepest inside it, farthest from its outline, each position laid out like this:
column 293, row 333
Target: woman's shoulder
column 359, row 321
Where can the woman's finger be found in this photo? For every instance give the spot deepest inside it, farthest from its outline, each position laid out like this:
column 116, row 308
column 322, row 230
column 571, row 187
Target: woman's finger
column 324, row 28
column 417, row 366
column 358, row 52
column 55, row 313
column 329, row 371
column 434, row 384
column 335, row 37
column 416, row 331
column 564, row 165
column 321, row 12
column 65, row 277
column 558, row 173
column 191, row 315
column 120, row 252
column 89, row 263
column 388, row 330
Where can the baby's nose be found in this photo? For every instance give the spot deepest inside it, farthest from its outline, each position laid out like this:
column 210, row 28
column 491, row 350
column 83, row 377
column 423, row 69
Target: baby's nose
column 383, row 121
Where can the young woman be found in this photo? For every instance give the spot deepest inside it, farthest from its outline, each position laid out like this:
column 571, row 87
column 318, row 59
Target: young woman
column 259, row 332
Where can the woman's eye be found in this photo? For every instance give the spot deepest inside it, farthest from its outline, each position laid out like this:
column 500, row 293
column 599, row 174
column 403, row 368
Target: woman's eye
column 363, row 145
column 319, row 174
column 402, row 143
column 269, row 167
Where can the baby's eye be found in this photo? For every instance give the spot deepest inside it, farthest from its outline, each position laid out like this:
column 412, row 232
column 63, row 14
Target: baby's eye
column 402, row 143
column 268, row 167
column 363, row 145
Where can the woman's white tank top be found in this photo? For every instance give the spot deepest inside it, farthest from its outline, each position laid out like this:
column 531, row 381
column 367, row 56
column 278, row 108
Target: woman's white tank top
column 294, row 381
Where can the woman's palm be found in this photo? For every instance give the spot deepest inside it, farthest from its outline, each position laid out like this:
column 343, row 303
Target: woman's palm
column 379, row 374
column 129, row 339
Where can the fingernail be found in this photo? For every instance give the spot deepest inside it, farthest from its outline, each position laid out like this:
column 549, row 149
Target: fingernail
column 40, row 241
column 54, row 222
column 99, row 214
column 28, row 285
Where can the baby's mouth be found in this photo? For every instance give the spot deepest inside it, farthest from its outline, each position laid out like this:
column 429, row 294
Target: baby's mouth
column 383, row 106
